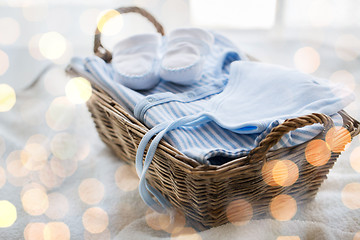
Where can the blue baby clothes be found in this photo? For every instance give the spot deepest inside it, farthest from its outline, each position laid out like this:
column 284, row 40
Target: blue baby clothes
column 180, row 113
column 257, row 98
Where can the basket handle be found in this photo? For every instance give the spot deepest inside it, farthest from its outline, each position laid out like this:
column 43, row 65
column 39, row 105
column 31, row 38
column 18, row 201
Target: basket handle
column 105, row 54
column 288, row 125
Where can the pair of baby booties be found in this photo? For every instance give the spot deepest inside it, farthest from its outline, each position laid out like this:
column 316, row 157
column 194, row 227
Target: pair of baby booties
column 140, row 61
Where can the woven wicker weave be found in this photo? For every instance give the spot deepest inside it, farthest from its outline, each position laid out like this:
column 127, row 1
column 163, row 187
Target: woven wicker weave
column 204, row 192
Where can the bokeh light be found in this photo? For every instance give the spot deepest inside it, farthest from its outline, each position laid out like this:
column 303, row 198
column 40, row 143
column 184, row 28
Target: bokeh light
column 7, row 97
column 34, row 231
column 34, row 48
column 347, row 47
column 4, row 63
column 91, row 191
column 355, row 159
column 126, row 178
column 280, row 173
column 34, row 156
column 64, row 146
column 239, row 212
column 52, row 45
column 9, row 31
column 158, row 221
column 337, row 138
column 88, row 21
column 357, row 236
column 32, row 185
column 58, row 206
column 288, row 238
column 63, row 168
column 283, row 207
column 56, row 231
column 187, row 233
column 105, row 235
column 317, row 152
column 78, row 90
column 15, row 166
column 95, row 220
column 35, row 201
column 83, row 150
column 344, row 77
column 110, row 22
column 350, row 195
column 60, row 114
column 8, row 214
column 307, row 60
column 2, row 177
column 49, row 178
column 35, row 10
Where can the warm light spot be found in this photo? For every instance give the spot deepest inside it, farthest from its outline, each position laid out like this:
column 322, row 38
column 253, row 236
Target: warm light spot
column 95, row 220
column 307, row 60
column 32, row 185
column 66, row 57
column 56, row 231
column 4, row 65
column 8, row 214
column 60, row 114
column 78, row 90
column 105, row 235
column 283, row 207
column 58, row 206
column 187, row 233
column 52, row 45
column 357, row 236
column 152, row 219
column 9, row 31
column 63, row 146
column 34, row 231
column 87, row 21
column 2, row 177
column 171, row 226
column 285, row 173
column 347, row 47
column 110, row 22
column 350, row 195
column 35, row 201
column 34, row 48
column 344, row 77
column 126, row 178
column 15, row 166
column 63, row 168
column 321, row 13
column 2, row 146
column 83, row 150
column 35, row 10
column 7, row 96
column 288, row 238
column 91, row 191
column 34, row 156
column 337, row 138
column 355, row 159
column 317, row 152
column 49, row 178
column 55, row 81
column 280, row 172
column 239, row 212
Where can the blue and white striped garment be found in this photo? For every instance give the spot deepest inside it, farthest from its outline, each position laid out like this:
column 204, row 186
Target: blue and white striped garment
column 208, row 143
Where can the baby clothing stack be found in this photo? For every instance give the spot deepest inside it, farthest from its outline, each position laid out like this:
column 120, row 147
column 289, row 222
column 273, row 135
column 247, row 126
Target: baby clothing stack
column 196, row 90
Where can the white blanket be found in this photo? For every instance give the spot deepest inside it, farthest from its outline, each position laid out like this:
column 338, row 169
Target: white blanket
column 110, row 195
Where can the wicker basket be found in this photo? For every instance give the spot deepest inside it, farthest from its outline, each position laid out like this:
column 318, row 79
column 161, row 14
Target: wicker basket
column 204, row 192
